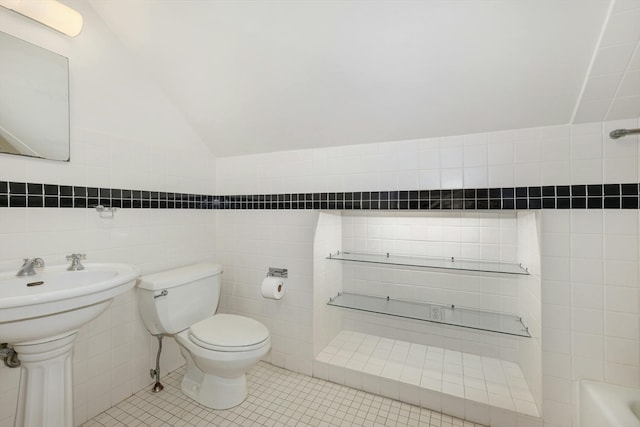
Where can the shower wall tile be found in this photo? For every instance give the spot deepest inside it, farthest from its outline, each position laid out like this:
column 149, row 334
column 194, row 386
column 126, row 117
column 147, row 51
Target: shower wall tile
column 579, row 154
column 601, row 341
column 475, row 177
column 489, row 236
column 589, row 257
column 475, row 151
column 157, row 239
column 327, row 279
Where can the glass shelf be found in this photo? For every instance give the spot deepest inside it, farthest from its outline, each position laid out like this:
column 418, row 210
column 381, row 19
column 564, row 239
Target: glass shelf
column 509, row 324
column 445, row 263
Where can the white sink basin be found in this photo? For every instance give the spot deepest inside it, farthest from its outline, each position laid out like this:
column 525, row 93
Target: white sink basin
column 40, row 316
column 39, row 311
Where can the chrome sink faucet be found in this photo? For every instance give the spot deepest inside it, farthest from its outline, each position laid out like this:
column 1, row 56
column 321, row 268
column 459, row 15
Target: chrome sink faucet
column 75, row 261
column 28, row 266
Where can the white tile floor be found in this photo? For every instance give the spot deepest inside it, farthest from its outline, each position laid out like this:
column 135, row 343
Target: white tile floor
column 277, row 397
column 480, row 389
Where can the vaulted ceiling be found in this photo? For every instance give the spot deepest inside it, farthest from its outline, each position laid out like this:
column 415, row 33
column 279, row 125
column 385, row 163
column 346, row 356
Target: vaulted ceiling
column 258, row 76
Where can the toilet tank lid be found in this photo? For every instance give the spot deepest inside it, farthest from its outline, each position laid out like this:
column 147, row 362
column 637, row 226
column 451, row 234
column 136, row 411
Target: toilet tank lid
column 179, row 276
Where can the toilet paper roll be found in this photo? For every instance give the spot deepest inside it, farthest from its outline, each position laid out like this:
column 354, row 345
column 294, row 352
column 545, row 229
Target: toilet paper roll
column 273, row 287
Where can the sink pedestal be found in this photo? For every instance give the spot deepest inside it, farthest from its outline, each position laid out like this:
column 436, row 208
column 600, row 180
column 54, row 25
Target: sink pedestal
column 45, row 397
column 40, row 316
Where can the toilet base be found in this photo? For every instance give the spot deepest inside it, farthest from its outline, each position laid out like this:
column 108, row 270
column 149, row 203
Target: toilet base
column 216, row 379
column 216, row 392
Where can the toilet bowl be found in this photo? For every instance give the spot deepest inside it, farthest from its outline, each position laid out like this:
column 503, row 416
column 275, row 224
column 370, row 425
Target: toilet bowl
column 218, row 348
column 216, row 365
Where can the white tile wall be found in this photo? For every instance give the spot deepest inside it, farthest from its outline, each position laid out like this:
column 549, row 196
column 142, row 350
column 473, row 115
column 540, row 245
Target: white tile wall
column 486, row 236
column 530, row 302
column 113, row 353
column 115, row 145
column 462, row 235
column 489, row 236
column 327, row 323
column 247, row 244
column 568, row 281
column 522, row 157
column 590, row 306
column 587, row 271
column 124, row 134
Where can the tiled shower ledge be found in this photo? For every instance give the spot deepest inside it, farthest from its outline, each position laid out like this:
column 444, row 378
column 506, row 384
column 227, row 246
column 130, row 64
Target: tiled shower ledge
column 480, row 389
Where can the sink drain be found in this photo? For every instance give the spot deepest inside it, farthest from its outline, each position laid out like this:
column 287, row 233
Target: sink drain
column 35, row 283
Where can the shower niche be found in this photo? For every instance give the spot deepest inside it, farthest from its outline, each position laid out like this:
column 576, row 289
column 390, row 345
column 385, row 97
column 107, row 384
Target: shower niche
column 440, row 310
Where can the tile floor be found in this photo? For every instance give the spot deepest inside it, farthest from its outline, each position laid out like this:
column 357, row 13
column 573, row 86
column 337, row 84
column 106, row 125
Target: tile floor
column 469, row 386
column 277, row 397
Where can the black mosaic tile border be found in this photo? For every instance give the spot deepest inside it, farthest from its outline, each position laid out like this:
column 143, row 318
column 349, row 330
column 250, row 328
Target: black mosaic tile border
column 592, row 196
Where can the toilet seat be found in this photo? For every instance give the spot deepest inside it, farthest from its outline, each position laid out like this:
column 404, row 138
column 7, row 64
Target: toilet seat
column 229, row 333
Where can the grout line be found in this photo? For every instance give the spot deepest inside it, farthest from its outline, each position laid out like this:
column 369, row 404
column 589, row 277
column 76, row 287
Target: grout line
column 605, row 24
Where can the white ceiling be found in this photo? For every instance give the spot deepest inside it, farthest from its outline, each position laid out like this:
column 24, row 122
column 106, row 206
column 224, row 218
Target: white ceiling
column 258, row 76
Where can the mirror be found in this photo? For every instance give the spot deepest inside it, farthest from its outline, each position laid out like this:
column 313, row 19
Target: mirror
column 34, row 100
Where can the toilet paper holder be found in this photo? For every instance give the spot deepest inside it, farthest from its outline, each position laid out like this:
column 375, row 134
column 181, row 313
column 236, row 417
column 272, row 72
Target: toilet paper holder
column 278, row 272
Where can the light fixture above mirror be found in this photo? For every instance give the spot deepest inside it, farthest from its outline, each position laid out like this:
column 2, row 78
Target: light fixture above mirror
column 51, row 13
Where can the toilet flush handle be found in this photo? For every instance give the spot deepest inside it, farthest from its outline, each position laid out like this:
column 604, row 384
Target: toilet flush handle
column 164, row 293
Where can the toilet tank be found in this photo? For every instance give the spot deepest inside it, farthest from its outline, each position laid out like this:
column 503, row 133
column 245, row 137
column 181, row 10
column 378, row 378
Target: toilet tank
column 170, row 301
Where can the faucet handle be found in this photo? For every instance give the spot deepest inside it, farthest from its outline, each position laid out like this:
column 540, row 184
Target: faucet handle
column 35, row 262
column 28, row 266
column 75, row 261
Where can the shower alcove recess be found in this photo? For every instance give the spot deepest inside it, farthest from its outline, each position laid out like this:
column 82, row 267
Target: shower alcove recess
column 447, row 314
column 395, row 325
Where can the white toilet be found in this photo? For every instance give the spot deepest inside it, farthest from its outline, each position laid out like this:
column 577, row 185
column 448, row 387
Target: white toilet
column 219, row 348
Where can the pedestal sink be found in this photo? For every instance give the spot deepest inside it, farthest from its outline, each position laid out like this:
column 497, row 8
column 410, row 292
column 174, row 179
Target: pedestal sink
column 40, row 317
